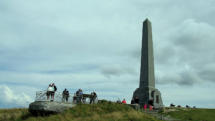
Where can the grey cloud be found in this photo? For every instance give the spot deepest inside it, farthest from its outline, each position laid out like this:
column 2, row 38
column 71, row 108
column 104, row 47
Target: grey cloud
column 164, row 55
column 191, row 48
column 195, row 36
column 188, row 78
column 116, row 70
column 185, row 78
column 207, row 72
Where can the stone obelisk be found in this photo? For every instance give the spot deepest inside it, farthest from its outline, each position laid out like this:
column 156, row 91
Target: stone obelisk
column 147, row 93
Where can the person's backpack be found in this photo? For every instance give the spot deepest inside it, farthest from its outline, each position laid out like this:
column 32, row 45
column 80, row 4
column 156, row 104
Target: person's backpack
column 94, row 95
column 55, row 88
column 77, row 93
column 67, row 93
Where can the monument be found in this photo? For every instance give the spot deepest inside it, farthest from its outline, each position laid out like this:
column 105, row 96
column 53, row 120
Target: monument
column 147, row 93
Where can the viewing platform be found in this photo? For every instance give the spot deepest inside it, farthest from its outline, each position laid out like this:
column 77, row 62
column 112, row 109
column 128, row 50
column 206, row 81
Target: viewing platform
column 43, row 105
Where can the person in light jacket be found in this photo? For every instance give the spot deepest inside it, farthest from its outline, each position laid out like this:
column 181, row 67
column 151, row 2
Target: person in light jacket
column 51, row 91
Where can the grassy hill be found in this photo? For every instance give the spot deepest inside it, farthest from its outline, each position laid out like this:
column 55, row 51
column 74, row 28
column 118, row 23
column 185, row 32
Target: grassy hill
column 108, row 111
column 105, row 111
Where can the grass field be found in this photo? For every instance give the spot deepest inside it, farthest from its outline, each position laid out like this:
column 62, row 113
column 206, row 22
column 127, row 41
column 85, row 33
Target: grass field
column 99, row 112
column 13, row 114
column 108, row 111
column 193, row 114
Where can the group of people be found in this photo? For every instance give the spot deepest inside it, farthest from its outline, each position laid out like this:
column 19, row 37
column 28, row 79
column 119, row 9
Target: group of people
column 79, row 96
column 122, row 102
column 136, row 100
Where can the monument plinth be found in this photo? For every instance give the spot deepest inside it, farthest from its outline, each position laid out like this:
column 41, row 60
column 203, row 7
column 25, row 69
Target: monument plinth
column 147, row 93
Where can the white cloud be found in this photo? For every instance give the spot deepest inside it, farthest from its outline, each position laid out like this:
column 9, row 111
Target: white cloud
column 11, row 99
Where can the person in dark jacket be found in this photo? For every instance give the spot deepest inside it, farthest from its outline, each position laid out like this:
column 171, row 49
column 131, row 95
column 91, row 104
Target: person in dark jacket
column 65, row 95
column 79, row 96
column 55, row 89
column 93, row 97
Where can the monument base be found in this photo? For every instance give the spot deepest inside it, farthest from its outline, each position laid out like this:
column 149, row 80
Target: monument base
column 149, row 96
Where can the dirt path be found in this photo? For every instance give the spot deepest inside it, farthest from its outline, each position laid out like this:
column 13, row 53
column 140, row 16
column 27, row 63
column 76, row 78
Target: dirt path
column 161, row 116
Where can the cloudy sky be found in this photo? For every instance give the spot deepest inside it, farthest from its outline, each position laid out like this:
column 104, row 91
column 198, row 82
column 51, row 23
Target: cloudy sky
column 95, row 45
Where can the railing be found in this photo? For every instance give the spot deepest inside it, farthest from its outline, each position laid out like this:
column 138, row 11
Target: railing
column 58, row 97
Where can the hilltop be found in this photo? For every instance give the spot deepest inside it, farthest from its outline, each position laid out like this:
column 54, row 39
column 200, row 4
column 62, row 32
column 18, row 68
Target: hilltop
column 108, row 111
column 105, row 111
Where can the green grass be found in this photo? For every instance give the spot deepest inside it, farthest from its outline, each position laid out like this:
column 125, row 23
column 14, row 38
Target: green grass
column 193, row 114
column 12, row 114
column 105, row 111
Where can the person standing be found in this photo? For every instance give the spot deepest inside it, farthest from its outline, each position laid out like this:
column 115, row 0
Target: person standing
column 150, row 107
column 145, row 106
column 51, row 91
column 93, row 97
column 65, row 95
column 79, row 96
